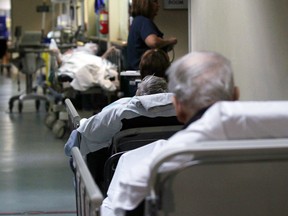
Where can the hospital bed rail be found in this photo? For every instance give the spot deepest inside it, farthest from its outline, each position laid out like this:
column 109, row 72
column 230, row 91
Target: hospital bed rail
column 97, row 97
column 245, row 174
column 234, row 177
column 88, row 195
column 73, row 115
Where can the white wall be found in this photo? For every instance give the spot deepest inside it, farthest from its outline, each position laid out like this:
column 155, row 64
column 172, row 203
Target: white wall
column 254, row 35
column 174, row 23
column 119, row 20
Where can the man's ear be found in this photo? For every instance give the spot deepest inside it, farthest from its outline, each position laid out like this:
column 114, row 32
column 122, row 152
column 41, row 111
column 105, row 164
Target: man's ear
column 181, row 115
column 236, row 94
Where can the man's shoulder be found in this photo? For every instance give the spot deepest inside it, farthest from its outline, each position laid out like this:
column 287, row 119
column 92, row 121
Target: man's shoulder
column 116, row 110
column 148, row 105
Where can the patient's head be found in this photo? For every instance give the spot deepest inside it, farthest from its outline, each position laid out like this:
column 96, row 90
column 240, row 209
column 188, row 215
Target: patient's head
column 91, row 48
column 154, row 62
column 152, row 85
column 198, row 80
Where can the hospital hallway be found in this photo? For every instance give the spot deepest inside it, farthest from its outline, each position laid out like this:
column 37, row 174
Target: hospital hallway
column 35, row 178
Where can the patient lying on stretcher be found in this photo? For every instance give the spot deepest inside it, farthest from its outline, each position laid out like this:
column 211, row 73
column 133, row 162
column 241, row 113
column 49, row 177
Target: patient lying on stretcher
column 83, row 69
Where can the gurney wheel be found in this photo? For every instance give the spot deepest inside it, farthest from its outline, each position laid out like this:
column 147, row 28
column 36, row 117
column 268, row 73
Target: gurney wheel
column 59, row 129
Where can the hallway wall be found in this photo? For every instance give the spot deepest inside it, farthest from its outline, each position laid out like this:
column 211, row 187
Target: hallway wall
column 23, row 13
column 170, row 22
column 253, row 34
column 174, row 23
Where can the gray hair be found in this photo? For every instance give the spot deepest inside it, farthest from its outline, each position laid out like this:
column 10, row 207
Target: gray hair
column 200, row 79
column 152, row 85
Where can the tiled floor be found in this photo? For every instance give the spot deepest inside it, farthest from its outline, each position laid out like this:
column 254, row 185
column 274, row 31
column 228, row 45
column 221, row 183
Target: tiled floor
column 34, row 174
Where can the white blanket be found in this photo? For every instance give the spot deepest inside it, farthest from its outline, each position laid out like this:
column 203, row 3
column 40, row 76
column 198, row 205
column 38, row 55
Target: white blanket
column 88, row 71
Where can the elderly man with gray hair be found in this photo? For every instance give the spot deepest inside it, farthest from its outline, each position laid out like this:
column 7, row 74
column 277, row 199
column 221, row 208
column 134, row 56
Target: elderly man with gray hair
column 152, row 85
column 197, row 80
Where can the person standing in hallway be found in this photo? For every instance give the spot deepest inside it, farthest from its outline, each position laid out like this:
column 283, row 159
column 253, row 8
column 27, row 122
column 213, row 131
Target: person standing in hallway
column 143, row 33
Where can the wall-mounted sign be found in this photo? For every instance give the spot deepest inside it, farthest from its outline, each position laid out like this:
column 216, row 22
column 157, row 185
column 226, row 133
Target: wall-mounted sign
column 175, row 4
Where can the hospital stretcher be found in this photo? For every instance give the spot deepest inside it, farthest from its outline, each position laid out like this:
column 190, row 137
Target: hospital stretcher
column 131, row 137
column 249, row 177
column 78, row 67
column 246, row 175
column 61, row 89
column 135, row 132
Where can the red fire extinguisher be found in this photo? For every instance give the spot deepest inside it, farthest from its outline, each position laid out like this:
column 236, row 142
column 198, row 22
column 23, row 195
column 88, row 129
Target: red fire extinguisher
column 103, row 21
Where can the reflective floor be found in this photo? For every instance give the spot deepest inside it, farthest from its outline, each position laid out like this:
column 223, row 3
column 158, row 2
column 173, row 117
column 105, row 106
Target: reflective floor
column 35, row 178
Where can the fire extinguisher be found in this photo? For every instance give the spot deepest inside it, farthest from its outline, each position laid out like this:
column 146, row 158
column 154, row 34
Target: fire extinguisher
column 103, row 21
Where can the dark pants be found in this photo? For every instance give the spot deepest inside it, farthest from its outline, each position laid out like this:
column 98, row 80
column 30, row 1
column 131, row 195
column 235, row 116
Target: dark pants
column 95, row 162
column 3, row 47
